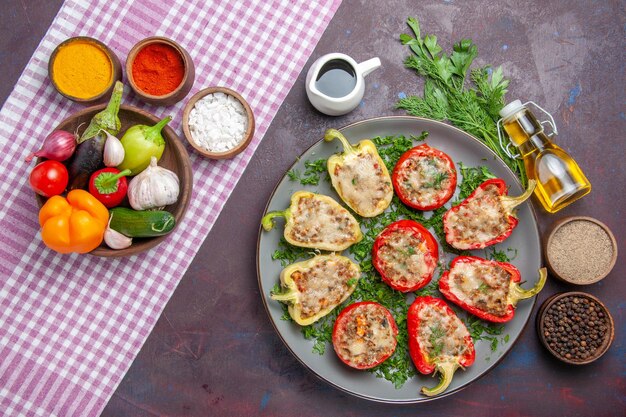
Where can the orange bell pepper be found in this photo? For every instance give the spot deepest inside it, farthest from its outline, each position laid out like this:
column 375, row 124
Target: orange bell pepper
column 73, row 224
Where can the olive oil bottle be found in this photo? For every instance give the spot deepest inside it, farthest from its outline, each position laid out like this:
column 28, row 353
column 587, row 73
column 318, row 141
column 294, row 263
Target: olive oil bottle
column 560, row 181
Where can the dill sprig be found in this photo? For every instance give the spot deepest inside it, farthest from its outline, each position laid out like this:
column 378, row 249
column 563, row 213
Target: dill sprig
column 447, row 94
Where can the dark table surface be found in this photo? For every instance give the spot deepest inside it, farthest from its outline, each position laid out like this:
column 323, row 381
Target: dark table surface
column 214, row 351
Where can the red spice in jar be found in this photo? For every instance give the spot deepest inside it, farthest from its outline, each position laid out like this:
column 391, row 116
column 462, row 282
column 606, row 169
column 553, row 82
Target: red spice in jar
column 158, row 69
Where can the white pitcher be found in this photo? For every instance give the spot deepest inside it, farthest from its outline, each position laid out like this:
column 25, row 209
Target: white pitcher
column 335, row 83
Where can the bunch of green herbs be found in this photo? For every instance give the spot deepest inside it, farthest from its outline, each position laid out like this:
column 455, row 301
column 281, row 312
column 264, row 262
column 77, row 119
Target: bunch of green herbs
column 449, row 96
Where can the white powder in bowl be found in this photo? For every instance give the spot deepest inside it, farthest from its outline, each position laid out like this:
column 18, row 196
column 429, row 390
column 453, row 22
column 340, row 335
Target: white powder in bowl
column 218, row 122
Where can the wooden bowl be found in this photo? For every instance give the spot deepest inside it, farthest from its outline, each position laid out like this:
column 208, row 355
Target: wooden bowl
column 578, row 245
column 183, row 88
column 115, row 65
column 174, row 158
column 541, row 326
column 247, row 137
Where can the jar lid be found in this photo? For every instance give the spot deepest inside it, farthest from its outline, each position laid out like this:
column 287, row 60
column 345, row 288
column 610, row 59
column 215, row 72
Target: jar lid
column 511, row 108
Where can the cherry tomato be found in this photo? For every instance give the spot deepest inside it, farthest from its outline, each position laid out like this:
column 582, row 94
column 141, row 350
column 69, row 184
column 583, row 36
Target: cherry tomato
column 49, row 178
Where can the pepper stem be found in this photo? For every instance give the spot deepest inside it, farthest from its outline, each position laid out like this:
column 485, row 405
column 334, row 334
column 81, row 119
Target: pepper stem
column 268, row 220
column 446, row 370
column 156, row 129
column 509, row 203
column 517, row 293
column 288, row 296
column 108, row 118
column 332, row 134
column 106, row 182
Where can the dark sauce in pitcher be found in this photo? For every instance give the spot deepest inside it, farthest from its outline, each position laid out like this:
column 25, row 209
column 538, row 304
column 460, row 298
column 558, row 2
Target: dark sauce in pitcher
column 336, row 79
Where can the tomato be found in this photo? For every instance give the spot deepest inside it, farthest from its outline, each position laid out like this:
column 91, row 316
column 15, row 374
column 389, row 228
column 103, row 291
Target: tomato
column 424, row 178
column 364, row 335
column 405, row 254
column 49, row 178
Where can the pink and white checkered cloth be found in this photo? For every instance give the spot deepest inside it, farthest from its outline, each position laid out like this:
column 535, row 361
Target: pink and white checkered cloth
column 71, row 325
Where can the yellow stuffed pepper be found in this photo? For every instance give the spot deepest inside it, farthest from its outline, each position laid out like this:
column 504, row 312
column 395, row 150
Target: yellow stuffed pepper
column 73, row 224
column 360, row 176
column 313, row 288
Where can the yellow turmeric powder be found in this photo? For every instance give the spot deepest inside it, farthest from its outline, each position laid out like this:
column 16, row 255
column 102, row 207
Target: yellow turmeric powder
column 82, row 69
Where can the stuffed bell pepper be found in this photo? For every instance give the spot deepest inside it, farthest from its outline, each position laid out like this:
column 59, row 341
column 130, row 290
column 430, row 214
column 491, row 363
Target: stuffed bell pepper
column 438, row 341
column 313, row 288
column 487, row 289
column 364, row 335
column 484, row 218
column 405, row 254
column 360, row 176
column 316, row 221
column 424, row 178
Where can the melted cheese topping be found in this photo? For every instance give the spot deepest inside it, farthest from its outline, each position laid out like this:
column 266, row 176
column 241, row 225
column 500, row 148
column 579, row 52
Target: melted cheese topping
column 480, row 220
column 367, row 337
column 404, row 259
column 485, row 286
column 317, row 221
column 362, row 183
column 425, row 180
column 324, row 284
column 440, row 335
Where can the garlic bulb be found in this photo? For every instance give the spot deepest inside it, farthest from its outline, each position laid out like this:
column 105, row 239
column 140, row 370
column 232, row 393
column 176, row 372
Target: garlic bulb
column 113, row 151
column 116, row 240
column 154, row 187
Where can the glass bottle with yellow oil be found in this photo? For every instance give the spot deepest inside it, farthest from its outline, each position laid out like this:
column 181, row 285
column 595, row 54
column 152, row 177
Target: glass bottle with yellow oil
column 560, row 181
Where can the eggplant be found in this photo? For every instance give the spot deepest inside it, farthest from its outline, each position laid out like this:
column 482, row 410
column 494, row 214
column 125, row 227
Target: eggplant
column 87, row 159
column 90, row 150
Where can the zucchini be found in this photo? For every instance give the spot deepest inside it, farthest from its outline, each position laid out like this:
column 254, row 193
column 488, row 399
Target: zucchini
column 145, row 223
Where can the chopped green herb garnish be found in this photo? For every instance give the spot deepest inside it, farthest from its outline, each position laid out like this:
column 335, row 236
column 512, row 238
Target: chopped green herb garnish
column 436, row 334
column 436, row 182
column 288, row 254
column 484, row 288
column 312, row 172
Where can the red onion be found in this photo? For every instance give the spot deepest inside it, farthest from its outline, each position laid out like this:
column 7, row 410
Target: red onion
column 58, row 146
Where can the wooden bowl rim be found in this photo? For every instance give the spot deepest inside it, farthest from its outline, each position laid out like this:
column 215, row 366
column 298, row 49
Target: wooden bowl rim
column 566, row 220
column 116, row 69
column 247, row 136
column 608, row 338
column 184, row 198
column 132, row 54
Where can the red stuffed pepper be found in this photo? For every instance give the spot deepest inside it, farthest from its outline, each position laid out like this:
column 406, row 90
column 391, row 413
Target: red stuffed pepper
column 424, row 178
column 438, row 341
column 484, row 218
column 364, row 335
column 405, row 254
column 486, row 289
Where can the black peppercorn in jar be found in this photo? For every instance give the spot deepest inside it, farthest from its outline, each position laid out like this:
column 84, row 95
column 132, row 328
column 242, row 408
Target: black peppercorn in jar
column 575, row 327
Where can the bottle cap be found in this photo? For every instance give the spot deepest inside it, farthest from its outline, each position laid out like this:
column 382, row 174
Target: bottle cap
column 510, row 109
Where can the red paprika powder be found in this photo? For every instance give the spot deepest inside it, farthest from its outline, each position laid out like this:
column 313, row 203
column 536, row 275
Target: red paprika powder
column 158, row 69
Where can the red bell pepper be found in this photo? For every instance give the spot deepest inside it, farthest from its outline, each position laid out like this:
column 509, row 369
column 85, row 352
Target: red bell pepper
column 438, row 341
column 424, row 178
column 364, row 335
column 109, row 186
column 487, row 289
column 484, row 218
column 405, row 254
